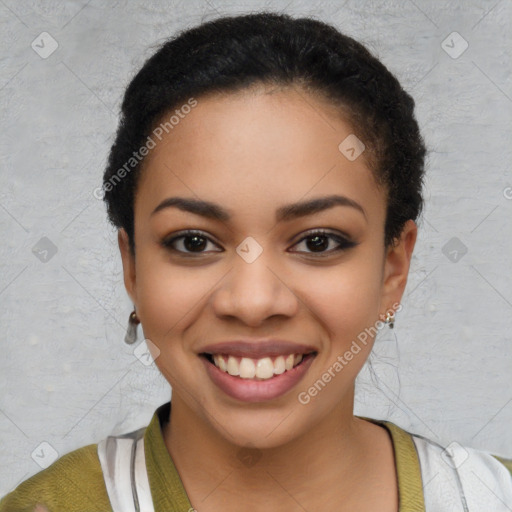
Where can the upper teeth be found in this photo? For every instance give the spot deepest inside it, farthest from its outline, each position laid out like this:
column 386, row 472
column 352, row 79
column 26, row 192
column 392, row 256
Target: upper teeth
column 248, row 368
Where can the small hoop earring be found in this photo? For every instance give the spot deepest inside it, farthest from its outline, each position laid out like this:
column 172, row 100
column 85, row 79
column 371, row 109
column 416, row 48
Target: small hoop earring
column 390, row 319
column 131, row 333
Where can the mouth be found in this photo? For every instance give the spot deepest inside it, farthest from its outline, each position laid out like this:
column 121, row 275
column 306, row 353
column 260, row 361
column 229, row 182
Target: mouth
column 261, row 369
column 256, row 380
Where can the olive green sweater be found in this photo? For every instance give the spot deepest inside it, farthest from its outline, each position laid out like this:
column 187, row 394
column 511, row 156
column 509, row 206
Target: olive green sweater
column 74, row 482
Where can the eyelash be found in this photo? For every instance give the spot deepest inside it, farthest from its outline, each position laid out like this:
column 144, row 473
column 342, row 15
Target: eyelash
column 343, row 242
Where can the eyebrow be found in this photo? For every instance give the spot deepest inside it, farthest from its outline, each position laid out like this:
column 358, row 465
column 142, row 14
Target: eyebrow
column 284, row 213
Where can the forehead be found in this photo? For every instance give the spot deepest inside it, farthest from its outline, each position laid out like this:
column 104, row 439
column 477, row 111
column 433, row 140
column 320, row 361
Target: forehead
column 254, row 150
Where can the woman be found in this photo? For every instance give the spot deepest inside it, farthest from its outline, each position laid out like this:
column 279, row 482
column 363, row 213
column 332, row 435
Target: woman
column 265, row 181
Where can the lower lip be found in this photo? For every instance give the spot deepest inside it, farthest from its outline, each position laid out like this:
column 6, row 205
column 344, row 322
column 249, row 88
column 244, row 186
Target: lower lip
column 249, row 390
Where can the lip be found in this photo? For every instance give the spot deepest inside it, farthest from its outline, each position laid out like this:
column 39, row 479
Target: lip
column 249, row 390
column 258, row 348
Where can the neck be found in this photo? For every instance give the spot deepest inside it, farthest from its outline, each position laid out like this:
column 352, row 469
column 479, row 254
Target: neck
column 333, row 455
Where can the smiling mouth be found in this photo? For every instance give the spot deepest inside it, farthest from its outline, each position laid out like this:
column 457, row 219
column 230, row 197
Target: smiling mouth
column 265, row 368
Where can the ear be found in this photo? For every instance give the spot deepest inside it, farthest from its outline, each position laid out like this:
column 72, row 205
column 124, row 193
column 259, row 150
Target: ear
column 128, row 264
column 396, row 265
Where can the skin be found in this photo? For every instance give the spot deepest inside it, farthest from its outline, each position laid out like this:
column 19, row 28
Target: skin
column 252, row 152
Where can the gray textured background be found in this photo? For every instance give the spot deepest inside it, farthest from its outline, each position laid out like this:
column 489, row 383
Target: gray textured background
column 67, row 379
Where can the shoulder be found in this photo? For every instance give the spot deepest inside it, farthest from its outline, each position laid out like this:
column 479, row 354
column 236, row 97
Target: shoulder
column 479, row 477
column 452, row 474
column 73, row 483
column 455, row 456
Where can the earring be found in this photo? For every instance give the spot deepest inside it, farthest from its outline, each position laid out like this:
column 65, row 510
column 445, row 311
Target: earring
column 390, row 319
column 131, row 333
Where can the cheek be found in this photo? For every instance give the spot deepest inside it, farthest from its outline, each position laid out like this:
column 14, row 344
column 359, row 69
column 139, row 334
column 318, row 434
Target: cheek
column 167, row 297
column 347, row 302
column 347, row 297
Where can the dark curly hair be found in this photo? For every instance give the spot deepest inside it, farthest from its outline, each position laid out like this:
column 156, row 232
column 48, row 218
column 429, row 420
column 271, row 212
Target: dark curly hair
column 232, row 53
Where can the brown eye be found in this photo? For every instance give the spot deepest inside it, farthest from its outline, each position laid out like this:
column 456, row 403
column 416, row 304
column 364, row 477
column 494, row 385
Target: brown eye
column 320, row 241
column 189, row 242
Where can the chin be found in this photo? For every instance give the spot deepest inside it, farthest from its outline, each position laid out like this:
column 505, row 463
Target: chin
column 259, row 427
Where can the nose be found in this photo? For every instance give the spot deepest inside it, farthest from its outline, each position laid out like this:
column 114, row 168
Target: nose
column 254, row 291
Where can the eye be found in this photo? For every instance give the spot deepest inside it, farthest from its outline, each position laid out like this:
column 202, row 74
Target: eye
column 192, row 241
column 319, row 240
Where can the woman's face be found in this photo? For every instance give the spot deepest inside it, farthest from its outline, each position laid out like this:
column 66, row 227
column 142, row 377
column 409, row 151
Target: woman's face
column 256, row 271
